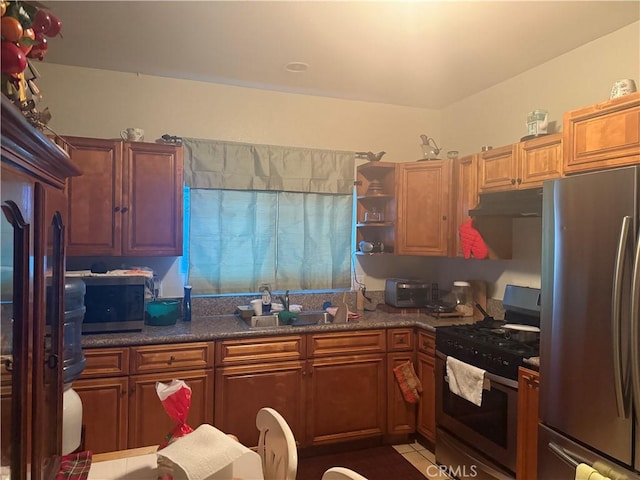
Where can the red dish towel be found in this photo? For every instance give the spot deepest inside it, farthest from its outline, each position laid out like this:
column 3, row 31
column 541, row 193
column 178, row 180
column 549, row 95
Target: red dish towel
column 472, row 242
column 75, row 466
column 409, row 382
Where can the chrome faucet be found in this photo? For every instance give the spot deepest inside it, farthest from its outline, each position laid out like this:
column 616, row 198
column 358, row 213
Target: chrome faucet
column 285, row 301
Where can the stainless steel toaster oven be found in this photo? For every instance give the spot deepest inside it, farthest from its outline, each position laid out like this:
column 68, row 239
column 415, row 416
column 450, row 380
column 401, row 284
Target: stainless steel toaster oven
column 404, row 293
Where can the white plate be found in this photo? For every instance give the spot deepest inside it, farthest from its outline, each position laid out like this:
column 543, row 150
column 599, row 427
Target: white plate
column 523, row 328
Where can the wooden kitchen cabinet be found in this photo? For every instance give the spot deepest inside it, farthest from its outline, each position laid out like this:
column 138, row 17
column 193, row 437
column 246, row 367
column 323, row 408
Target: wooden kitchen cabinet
column 260, row 372
column 401, row 415
column 121, row 407
column 527, row 439
column 347, row 398
column 242, row 390
column 523, row 165
column 498, row 169
column 128, row 200
column 105, row 412
column 465, row 181
column 103, row 388
column 603, row 135
column 32, row 223
column 149, row 424
column 423, row 191
column 376, row 206
column 329, row 387
column 426, row 373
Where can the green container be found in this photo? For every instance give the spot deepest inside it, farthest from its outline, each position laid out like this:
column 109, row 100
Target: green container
column 162, row 312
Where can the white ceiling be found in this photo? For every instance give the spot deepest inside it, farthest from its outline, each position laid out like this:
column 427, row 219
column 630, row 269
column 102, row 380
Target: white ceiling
column 425, row 54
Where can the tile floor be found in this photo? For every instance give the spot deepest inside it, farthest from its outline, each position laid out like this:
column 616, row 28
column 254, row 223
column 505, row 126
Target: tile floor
column 421, row 458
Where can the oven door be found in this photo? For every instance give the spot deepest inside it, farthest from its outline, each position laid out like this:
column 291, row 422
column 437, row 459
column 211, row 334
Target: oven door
column 489, row 428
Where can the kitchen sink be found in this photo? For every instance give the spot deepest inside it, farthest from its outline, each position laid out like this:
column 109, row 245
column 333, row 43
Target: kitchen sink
column 303, row 319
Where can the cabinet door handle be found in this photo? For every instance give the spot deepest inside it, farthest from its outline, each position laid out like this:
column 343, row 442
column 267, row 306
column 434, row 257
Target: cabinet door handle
column 116, row 209
column 513, row 181
column 171, row 359
column 52, row 361
column 444, row 217
column 125, row 209
column 8, row 365
column 519, row 181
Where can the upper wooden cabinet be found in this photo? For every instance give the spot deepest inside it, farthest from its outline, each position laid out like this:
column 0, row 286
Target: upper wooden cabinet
column 423, row 205
column 465, row 184
column 603, row 135
column 522, row 165
column 539, row 159
column 128, row 200
column 376, row 207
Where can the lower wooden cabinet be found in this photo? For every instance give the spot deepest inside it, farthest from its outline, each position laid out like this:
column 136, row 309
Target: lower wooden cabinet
column 425, row 360
column 330, row 387
column 346, row 398
column 401, row 415
column 149, row 424
column 105, row 409
column 527, row 440
column 242, row 390
column 324, row 394
column 122, row 411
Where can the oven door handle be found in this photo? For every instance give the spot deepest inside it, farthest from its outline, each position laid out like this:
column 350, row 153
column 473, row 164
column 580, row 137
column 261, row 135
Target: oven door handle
column 507, row 382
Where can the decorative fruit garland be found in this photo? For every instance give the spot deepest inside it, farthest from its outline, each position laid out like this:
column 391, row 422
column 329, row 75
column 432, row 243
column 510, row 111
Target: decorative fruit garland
column 25, row 27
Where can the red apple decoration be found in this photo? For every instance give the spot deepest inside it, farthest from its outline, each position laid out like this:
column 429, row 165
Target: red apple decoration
column 12, row 58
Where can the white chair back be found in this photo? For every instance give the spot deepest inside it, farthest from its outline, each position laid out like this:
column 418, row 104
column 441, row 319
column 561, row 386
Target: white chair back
column 342, row 473
column 276, row 446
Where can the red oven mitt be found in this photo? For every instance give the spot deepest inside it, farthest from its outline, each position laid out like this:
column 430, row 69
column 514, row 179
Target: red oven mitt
column 472, row 242
column 408, row 381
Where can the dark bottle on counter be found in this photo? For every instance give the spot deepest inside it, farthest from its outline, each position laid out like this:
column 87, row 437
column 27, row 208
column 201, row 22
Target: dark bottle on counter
column 186, row 305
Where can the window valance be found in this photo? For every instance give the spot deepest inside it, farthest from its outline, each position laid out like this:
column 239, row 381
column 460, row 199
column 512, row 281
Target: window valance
column 215, row 164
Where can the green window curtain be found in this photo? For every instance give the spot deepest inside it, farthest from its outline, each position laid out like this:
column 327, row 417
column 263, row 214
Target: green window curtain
column 293, row 241
column 267, row 214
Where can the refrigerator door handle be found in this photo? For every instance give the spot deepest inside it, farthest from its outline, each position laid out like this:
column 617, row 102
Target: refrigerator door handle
column 616, row 313
column 566, row 456
column 634, row 331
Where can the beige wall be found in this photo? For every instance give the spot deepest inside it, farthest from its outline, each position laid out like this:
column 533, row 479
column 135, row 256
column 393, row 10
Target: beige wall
column 584, row 76
column 497, row 116
column 97, row 103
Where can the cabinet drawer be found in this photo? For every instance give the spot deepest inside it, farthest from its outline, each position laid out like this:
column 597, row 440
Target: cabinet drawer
column 346, row 343
column 163, row 358
column 254, row 350
column 427, row 343
column 106, row 362
column 400, row 339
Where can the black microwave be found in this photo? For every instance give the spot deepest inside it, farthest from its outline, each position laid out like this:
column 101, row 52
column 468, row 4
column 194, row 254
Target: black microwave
column 114, row 303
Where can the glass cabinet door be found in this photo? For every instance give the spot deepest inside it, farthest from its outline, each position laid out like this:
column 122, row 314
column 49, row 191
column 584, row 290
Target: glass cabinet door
column 14, row 339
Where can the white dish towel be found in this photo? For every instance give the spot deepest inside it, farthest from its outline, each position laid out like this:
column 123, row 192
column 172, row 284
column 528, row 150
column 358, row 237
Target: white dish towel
column 466, row 380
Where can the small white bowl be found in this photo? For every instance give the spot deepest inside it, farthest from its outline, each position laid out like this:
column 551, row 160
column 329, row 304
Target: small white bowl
column 295, row 308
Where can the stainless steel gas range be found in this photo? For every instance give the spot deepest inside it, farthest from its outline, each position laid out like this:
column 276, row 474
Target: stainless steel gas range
column 479, row 441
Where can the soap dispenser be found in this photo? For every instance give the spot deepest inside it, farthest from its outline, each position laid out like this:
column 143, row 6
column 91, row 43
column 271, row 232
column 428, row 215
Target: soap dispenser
column 266, row 298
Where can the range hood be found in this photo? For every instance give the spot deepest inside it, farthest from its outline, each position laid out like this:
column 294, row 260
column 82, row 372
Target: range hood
column 511, row 203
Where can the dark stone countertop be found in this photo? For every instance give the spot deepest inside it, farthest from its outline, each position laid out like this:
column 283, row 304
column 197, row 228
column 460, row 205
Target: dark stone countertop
column 216, row 327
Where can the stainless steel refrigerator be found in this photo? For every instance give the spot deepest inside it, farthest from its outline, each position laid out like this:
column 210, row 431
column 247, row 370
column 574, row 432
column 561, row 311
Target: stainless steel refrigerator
column 589, row 359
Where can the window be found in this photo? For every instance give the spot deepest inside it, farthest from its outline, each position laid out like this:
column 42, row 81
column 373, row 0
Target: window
column 259, row 214
column 238, row 240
